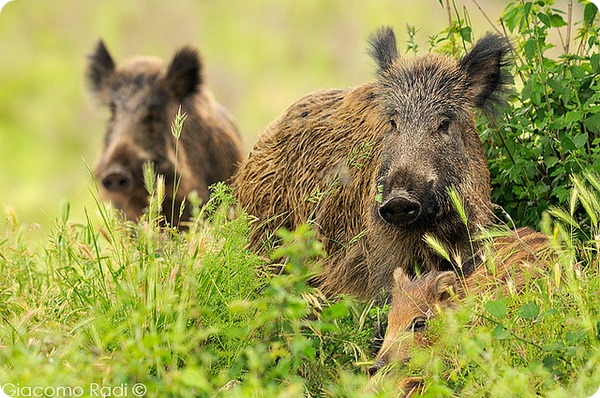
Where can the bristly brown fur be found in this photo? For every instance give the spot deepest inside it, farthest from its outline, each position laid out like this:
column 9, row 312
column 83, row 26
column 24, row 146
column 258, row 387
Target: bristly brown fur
column 333, row 156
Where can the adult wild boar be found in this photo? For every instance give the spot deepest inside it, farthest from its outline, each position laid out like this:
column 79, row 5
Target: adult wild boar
column 143, row 97
column 505, row 267
column 370, row 166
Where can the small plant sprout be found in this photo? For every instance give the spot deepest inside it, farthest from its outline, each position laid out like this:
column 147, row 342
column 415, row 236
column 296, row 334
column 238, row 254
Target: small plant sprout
column 176, row 129
column 458, row 204
column 437, row 246
column 149, row 171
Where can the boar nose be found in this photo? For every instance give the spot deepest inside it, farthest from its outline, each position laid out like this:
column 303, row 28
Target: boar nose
column 373, row 369
column 400, row 209
column 117, row 181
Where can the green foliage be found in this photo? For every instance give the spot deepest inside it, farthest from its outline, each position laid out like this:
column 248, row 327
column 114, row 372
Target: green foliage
column 551, row 131
column 185, row 314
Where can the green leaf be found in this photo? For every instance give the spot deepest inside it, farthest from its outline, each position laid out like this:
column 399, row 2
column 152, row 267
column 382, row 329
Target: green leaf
column 550, row 161
column 529, row 48
column 529, row 310
column 526, row 10
column 573, row 116
column 501, row 333
column 580, row 139
column 557, row 21
column 578, row 72
column 575, row 337
column 465, row 33
column 555, row 346
column 496, row 308
column 336, row 311
column 544, row 18
column 567, row 143
column 551, row 362
column 557, row 85
column 592, row 123
column 510, row 17
column 589, row 13
column 595, row 61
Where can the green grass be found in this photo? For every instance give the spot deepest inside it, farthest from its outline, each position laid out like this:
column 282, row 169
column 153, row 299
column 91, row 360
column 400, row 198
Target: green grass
column 112, row 304
column 185, row 314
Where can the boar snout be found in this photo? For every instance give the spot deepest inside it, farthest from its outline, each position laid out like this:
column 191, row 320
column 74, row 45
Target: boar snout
column 117, row 180
column 400, row 208
column 379, row 363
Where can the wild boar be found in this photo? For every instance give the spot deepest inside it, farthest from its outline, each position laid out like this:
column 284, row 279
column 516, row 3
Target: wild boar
column 511, row 261
column 143, row 97
column 370, row 167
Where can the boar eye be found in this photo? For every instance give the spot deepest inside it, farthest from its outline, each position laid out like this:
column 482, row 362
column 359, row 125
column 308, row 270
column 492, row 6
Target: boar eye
column 419, row 325
column 153, row 115
column 444, row 125
column 393, row 124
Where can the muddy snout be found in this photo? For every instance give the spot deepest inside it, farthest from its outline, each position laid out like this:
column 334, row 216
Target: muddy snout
column 116, row 179
column 400, row 208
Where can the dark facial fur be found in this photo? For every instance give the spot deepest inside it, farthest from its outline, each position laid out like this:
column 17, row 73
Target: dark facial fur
column 432, row 145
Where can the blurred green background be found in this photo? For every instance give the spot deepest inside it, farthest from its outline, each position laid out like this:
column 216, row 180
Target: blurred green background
column 259, row 57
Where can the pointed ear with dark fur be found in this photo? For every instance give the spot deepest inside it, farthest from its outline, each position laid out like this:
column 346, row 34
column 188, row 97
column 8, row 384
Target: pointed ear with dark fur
column 485, row 66
column 101, row 67
column 184, row 73
column 445, row 285
column 383, row 48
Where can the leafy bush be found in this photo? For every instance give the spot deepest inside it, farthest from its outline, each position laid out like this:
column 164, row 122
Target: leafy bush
column 551, row 129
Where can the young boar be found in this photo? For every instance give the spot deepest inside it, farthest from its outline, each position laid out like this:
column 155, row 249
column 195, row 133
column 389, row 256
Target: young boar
column 370, row 167
column 514, row 257
column 143, row 97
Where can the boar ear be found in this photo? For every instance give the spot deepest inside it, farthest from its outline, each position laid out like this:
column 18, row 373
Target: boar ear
column 486, row 68
column 100, row 68
column 445, row 285
column 383, row 48
column 400, row 278
column 184, row 73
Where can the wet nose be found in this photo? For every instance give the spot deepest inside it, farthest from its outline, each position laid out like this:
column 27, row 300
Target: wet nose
column 117, row 181
column 400, row 209
column 373, row 369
